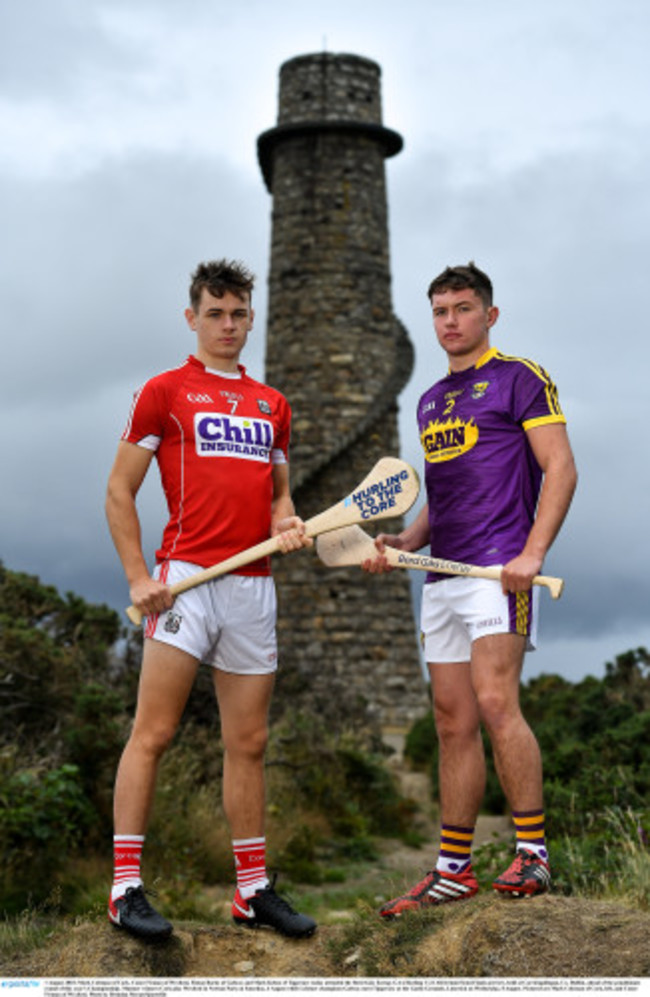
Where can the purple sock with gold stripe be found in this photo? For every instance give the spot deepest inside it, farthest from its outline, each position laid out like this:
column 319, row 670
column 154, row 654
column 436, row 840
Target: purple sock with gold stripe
column 455, row 848
column 529, row 826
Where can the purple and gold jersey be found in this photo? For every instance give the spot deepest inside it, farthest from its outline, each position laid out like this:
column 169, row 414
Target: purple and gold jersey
column 481, row 476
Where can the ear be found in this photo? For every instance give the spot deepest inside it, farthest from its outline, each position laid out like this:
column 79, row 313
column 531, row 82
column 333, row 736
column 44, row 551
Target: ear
column 493, row 314
column 251, row 319
column 190, row 318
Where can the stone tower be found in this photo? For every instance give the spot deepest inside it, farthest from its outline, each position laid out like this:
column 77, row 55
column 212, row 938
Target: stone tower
column 341, row 357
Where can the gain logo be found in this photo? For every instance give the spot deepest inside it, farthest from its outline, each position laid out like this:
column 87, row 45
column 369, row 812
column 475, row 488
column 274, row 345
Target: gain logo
column 446, row 440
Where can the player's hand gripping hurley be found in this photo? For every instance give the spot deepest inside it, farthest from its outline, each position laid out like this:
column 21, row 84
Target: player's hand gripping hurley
column 351, row 546
column 390, row 489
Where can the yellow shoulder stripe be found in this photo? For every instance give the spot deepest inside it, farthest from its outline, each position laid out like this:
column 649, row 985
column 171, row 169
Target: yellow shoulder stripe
column 552, row 400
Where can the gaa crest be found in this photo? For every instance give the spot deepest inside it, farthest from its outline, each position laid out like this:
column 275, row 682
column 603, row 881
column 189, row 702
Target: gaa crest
column 173, row 622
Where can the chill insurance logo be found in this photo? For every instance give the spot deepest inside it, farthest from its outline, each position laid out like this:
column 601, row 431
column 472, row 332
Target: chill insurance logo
column 219, row 435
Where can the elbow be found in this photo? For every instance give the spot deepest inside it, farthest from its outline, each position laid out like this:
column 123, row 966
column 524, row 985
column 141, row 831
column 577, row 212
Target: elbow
column 116, row 500
column 109, row 503
column 562, row 467
column 571, row 475
column 568, row 477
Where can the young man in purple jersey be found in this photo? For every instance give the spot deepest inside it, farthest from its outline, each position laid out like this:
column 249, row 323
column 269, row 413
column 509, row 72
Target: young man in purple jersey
column 500, row 476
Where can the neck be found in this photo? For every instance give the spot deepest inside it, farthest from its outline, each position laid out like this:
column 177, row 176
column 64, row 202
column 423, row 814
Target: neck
column 222, row 365
column 458, row 363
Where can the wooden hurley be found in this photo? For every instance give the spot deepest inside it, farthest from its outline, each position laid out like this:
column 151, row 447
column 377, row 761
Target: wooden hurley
column 351, row 546
column 390, row 489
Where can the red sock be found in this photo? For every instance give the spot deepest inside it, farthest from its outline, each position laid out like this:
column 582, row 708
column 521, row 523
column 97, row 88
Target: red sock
column 127, row 852
column 250, row 863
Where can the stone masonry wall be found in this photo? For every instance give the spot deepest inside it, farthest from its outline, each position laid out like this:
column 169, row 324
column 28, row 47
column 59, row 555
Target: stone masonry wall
column 336, row 350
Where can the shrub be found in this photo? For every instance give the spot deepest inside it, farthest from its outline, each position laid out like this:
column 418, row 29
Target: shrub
column 42, row 817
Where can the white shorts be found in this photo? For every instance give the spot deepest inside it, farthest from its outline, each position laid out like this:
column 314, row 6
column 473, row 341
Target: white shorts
column 228, row 623
column 457, row 611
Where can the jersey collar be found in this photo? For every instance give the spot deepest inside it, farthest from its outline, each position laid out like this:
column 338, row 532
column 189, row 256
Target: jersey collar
column 481, row 362
column 487, row 356
column 239, row 373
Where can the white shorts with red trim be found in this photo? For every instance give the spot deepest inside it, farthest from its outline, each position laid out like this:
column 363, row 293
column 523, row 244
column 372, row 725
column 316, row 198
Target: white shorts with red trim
column 228, row 623
column 457, row 611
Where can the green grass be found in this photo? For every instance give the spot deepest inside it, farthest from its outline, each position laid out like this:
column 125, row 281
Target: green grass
column 611, row 865
column 28, row 930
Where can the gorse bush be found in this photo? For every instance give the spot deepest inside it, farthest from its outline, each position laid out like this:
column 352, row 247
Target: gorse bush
column 94, row 741
column 41, row 810
column 63, row 723
column 594, row 741
column 43, row 815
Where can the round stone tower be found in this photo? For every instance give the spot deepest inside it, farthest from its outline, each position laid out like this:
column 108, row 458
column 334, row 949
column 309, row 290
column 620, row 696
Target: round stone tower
column 341, row 357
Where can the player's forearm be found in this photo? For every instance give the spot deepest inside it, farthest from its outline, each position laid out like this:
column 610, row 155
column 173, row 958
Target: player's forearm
column 412, row 538
column 416, row 534
column 282, row 507
column 125, row 530
column 288, row 528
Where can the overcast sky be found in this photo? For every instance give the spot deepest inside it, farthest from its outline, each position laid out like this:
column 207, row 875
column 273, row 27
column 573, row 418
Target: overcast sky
column 128, row 153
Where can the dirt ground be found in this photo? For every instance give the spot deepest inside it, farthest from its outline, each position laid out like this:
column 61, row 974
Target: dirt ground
column 486, row 936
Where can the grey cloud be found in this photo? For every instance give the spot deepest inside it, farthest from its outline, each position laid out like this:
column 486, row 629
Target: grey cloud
column 541, row 178
column 98, row 268
column 53, row 48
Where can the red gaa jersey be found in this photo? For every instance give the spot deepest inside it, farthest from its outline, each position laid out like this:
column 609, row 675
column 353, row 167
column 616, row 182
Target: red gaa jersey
column 216, row 437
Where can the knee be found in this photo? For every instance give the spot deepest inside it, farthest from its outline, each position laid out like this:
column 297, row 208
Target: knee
column 497, row 711
column 152, row 741
column 454, row 724
column 249, row 745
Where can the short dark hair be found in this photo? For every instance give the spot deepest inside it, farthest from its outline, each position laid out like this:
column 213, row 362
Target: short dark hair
column 460, row 277
column 220, row 276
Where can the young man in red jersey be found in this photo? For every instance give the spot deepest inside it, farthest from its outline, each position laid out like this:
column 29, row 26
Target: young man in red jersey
column 500, row 477
column 221, row 440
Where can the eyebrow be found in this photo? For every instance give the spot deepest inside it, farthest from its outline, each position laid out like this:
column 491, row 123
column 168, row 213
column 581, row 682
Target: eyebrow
column 455, row 304
column 216, row 310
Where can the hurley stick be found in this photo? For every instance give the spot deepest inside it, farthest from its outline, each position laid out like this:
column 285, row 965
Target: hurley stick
column 351, row 546
column 390, row 489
